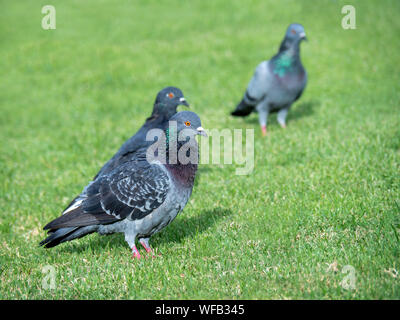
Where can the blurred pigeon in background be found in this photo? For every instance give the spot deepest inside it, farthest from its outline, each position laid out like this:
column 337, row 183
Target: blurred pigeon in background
column 137, row 197
column 276, row 83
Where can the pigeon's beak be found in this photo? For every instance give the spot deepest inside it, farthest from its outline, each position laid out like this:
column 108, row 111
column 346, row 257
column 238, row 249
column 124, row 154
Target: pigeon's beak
column 183, row 102
column 201, row 132
column 303, row 36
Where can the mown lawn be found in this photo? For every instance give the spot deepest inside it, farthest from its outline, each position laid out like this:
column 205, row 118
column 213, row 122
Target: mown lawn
column 324, row 193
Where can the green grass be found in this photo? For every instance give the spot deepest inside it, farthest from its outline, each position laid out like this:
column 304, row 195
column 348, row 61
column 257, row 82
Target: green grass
column 324, row 192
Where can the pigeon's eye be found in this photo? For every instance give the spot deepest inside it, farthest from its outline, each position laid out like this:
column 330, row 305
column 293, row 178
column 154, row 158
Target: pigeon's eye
column 170, row 95
column 293, row 31
column 187, row 123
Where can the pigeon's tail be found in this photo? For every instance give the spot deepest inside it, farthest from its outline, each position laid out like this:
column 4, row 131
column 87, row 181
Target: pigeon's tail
column 66, row 234
column 243, row 109
column 83, row 216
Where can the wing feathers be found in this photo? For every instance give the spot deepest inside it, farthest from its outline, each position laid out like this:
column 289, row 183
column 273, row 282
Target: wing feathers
column 133, row 191
column 79, row 218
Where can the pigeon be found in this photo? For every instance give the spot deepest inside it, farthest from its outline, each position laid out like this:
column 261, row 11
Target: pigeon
column 276, row 83
column 165, row 105
column 138, row 197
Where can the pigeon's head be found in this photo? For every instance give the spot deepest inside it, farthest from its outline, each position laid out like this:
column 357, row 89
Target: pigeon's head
column 171, row 96
column 295, row 33
column 167, row 100
column 189, row 122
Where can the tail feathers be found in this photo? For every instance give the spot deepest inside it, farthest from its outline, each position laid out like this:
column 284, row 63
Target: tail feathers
column 65, row 220
column 66, row 234
column 243, row 109
column 55, row 237
column 81, row 217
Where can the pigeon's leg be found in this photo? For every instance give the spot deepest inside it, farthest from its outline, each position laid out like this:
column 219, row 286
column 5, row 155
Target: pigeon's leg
column 263, row 112
column 264, row 130
column 145, row 243
column 130, row 238
column 282, row 114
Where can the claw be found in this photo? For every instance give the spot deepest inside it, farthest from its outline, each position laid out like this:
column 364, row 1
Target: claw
column 136, row 253
column 145, row 245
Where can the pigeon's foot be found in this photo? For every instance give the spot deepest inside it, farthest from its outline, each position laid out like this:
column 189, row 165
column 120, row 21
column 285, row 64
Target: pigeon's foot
column 145, row 243
column 283, row 125
column 264, row 130
column 136, row 254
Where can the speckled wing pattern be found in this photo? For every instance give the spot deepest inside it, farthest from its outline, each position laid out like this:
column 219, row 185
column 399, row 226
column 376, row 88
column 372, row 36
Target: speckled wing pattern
column 134, row 191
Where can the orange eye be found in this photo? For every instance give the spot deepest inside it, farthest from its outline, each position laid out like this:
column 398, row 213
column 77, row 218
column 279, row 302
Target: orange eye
column 170, row 95
column 187, row 123
column 293, row 31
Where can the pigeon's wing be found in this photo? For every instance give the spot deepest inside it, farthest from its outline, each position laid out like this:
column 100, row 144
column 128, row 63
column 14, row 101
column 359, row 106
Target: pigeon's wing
column 123, row 154
column 258, row 85
column 132, row 190
column 256, row 91
column 133, row 144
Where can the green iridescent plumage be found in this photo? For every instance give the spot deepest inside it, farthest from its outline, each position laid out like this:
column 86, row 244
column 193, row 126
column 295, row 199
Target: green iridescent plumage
column 169, row 133
column 282, row 65
column 170, row 136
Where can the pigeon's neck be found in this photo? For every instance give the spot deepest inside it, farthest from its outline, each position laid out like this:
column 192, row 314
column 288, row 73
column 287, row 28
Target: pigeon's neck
column 182, row 159
column 181, row 152
column 182, row 162
column 287, row 59
column 290, row 48
column 162, row 111
column 184, row 175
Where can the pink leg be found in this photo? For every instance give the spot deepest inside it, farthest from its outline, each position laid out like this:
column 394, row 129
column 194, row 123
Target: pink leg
column 136, row 253
column 264, row 130
column 145, row 244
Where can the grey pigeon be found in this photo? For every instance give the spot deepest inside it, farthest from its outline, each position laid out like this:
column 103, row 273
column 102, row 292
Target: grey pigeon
column 276, row 83
column 138, row 197
column 165, row 105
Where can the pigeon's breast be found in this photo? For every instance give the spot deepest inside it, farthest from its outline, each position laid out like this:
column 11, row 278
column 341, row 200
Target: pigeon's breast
column 154, row 222
column 286, row 88
column 292, row 80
